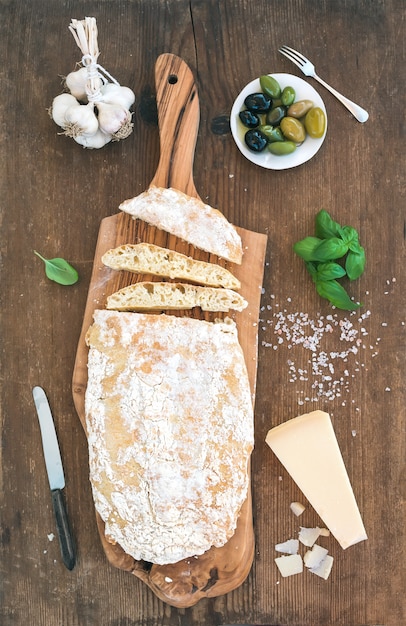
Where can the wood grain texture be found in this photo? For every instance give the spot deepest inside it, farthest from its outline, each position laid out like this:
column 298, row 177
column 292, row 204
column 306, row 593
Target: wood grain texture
column 54, row 195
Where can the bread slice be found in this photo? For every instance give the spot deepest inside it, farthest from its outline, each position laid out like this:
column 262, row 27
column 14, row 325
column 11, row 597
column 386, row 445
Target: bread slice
column 161, row 296
column 147, row 258
column 169, row 419
column 188, row 218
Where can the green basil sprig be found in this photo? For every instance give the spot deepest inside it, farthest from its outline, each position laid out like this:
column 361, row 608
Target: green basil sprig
column 59, row 270
column 321, row 252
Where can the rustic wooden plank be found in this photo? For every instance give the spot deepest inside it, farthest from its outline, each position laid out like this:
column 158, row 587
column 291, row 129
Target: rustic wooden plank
column 54, row 195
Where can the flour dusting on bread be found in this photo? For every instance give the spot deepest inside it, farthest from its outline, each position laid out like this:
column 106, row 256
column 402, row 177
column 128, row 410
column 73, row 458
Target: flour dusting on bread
column 188, row 218
column 170, row 430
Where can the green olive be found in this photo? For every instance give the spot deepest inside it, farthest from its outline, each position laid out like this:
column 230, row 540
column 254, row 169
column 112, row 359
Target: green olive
column 315, row 123
column 300, row 108
column 293, row 129
column 272, row 133
column 288, row 96
column 270, row 86
column 279, row 148
column 276, row 102
column 274, row 116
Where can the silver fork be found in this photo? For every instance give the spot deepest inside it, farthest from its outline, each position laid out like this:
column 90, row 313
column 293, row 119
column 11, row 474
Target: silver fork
column 308, row 69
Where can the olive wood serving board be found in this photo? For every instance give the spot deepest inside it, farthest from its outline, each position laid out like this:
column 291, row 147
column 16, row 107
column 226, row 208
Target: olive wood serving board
column 219, row 570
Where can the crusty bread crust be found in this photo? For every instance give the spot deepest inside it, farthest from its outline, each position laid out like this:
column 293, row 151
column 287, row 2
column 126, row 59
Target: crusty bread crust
column 188, row 218
column 161, row 296
column 170, row 432
column 147, row 258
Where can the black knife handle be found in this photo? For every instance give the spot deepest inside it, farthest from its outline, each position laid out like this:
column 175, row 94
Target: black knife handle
column 64, row 533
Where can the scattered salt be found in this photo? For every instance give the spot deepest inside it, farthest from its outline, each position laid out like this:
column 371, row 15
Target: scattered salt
column 297, row 331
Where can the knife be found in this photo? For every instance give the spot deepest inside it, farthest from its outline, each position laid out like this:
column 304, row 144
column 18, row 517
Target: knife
column 56, row 477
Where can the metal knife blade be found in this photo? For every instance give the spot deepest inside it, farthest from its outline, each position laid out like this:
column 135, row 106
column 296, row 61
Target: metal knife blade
column 55, row 473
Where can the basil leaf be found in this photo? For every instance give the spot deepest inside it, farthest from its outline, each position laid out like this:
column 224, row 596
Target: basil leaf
column 330, row 249
column 349, row 235
column 356, row 247
column 355, row 263
column 59, row 270
column 326, row 227
column 336, row 294
column 329, row 271
column 305, row 248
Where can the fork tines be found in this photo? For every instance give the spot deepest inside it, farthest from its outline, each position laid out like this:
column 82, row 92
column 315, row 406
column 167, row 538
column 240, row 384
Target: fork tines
column 293, row 55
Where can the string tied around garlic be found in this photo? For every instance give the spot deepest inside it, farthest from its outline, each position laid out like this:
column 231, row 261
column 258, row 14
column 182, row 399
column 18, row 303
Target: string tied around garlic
column 96, row 71
column 98, row 110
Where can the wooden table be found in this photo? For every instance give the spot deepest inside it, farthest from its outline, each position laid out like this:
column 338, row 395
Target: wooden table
column 53, row 197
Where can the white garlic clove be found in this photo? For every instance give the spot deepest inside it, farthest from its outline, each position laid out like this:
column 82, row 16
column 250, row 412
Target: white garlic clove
column 60, row 105
column 81, row 120
column 98, row 140
column 117, row 94
column 78, row 83
column 114, row 120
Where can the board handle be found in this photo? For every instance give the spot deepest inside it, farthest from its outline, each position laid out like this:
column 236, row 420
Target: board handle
column 178, row 120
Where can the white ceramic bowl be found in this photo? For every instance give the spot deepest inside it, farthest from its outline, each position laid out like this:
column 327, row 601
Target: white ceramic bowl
column 304, row 152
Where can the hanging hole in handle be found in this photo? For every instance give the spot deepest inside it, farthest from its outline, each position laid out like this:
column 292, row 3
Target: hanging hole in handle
column 172, row 79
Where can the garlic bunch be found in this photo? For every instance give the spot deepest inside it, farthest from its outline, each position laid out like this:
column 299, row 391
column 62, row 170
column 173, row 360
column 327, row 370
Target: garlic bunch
column 94, row 111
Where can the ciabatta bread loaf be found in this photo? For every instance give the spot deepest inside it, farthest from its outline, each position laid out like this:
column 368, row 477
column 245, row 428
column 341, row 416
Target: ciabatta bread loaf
column 188, row 218
column 169, row 419
column 147, row 258
column 160, row 296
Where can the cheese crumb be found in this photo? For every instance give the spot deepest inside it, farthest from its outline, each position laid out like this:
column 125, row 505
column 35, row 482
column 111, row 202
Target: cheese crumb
column 313, row 558
column 323, row 570
column 309, row 536
column 291, row 546
column 289, row 565
column 297, row 508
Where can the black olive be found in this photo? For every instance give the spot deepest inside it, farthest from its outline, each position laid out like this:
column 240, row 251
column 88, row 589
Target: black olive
column 276, row 115
column 249, row 119
column 258, row 102
column 255, row 140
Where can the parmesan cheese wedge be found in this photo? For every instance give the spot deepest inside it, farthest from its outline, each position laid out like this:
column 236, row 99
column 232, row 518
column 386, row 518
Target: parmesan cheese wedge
column 307, row 446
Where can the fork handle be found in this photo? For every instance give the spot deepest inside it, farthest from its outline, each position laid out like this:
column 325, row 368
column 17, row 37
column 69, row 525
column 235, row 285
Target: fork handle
column 358, row 112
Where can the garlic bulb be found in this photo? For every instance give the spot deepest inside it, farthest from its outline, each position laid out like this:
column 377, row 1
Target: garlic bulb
column 94, row 111
column 117, row 94
column 60, row 105
column 114, row 120
column 81, row 120
column 98, row 140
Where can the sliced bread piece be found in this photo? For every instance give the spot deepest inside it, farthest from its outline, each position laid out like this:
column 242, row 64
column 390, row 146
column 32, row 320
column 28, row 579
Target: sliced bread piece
column 188, row 218
column 147, row 258
column 150, row 296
